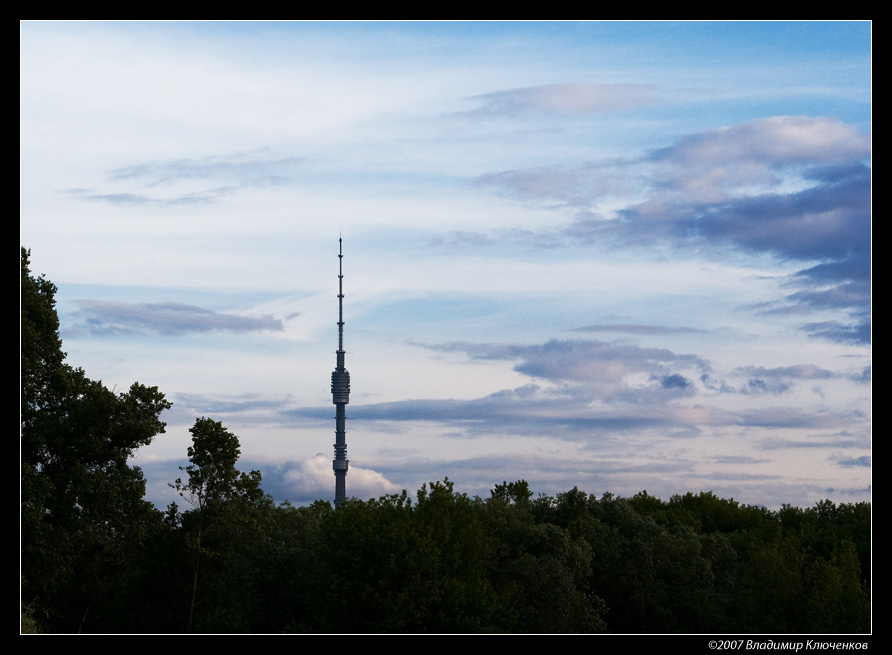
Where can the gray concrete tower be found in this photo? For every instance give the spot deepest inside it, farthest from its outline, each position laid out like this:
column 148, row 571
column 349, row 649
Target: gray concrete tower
column 340, row 394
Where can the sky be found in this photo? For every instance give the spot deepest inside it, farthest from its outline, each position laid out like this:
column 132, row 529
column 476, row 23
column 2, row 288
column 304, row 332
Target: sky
column 606, row 255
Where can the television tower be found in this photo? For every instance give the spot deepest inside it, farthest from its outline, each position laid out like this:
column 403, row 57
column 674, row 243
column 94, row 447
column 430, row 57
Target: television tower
column 340, row 394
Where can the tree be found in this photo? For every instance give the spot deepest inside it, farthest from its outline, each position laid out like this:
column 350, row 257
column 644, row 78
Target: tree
column 516, row 493
column 213, row 478
column 42, row 359
column 542, row 571
column 83, row 514
column 838, row 601
column 220, row 495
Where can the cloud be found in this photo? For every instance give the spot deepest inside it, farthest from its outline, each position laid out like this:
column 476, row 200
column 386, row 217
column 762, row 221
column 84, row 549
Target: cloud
column 196, row 198
column 255, row 168
column 864, row 377
column 578, row 186
column 507, row 412
column 758, row 386
column 855, row 461
column 845, row 294
column 829, row 220
column 738, row 459
column 567, row 99
column 462, row 238
column 801, row 371
column 761, row 380
column 534, row 411
column 597, row 363
column 630, row 328
column 586, row 390
column 312, row 478
column 228, row 173
column 578, row 386
column 794, row 187
column 231, row 407
column 674, row 381
column 117, row 198
column 773, row 141
column 844, row 439
column 858, row 332
column 791, row 417
column 110, row 318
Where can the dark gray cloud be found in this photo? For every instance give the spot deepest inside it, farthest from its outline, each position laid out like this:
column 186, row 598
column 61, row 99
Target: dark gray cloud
column 761, row 380
column 598, row 364
column 855, row 461
column 586, row 390
column 829, row 221
column 674, row 381
column 800, row 371
column 790, row 417
column 739, row 459
column 633, row 388
column 110, row 318
column 777, row 380
column 839, row 296
column 864, row 377
column 842, row 440
column 507, row 412
column 858, row 332
column 567, row 99
column 795, row 187
column 543, row 413
column 758, row 386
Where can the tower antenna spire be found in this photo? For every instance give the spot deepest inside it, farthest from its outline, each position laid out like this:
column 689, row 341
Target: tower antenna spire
column 340, row 393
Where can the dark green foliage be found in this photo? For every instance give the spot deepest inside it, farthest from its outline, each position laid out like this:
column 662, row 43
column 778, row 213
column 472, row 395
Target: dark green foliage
column 213, row 478
column 837, row 602
column 84, row 520
column 389, row 566
column 543, row 570
column 223, row 533
column 800, row 571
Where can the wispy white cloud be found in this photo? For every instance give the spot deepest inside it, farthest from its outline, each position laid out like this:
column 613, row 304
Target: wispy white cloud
column 568, row 99
column 258, row 167
column 630, row 328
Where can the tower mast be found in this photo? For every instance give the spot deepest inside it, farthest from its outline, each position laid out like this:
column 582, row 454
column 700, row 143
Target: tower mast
column 340, row 394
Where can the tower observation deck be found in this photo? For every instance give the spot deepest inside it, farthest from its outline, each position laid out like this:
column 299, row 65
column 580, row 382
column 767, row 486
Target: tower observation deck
column 340, row 394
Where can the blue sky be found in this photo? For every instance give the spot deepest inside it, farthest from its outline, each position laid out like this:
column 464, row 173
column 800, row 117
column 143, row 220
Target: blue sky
column 618, row 256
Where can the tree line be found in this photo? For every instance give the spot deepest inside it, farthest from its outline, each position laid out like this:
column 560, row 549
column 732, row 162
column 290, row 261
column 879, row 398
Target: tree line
column 97, row 557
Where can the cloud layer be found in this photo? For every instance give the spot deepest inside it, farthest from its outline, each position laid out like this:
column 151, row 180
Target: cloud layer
column 567, row 99
column 108, row 318
column 793, row 187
